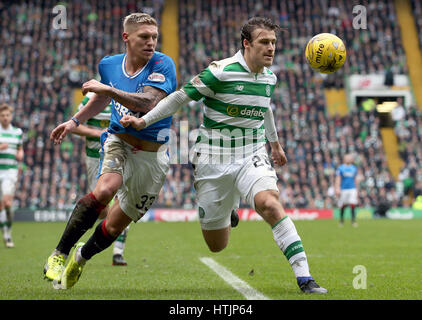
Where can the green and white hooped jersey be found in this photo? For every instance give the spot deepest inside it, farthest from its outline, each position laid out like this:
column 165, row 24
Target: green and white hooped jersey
column 235, row 102
column 13, row 137
column 100, row 122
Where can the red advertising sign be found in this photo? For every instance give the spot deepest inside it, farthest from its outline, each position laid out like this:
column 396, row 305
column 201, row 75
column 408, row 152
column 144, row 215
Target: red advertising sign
column 244, row 214
column 175, row 214
column 294, row 214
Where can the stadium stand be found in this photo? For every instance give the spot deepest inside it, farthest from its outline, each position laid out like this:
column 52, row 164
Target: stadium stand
column 41, row 66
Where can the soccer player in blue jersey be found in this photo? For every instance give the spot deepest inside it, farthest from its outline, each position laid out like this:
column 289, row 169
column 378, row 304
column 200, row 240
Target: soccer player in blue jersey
column 346, row 187
column 133, row 163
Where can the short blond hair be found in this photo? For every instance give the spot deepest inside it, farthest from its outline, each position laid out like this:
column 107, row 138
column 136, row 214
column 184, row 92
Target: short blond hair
column 138, row 18
column 5, row 106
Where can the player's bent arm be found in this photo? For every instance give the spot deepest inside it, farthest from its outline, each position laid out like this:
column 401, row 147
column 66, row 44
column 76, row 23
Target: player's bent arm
column 269, row 125
column 337, row 184
column 85, row 131
column 138, row 102
column 93, row 107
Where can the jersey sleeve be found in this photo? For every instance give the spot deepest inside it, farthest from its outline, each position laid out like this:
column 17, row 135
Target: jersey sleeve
column 102, row 71
column 163, row 75
column 203, row 84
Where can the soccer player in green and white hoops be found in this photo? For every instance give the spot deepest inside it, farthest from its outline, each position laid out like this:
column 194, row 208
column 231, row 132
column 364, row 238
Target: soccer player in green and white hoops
column 92, row 132
column 11, row 152
column 237, row 118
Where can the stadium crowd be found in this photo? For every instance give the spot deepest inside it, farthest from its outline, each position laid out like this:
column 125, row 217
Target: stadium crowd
column 40, row 66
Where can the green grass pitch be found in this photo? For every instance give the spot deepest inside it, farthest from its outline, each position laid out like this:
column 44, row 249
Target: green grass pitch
column 163, row 263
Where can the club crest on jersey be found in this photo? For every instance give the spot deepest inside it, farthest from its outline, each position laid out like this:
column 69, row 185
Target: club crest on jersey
column 156, row 77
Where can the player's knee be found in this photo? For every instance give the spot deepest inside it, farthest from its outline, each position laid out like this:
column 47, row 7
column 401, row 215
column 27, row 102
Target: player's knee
column 267, row 204
column 216, row 240
column 7, row 203
column 216, row 247
column 104, row 194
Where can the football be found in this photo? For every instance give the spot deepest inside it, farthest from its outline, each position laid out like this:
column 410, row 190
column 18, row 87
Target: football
column 325, row 53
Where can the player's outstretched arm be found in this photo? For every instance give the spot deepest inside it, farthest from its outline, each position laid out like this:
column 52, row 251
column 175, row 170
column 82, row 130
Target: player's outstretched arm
column 94, row 106
column 85, row 131
column 165, row 108
column 134, row 101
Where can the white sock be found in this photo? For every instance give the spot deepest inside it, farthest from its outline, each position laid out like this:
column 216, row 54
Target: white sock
column 78, row 257
column 288, row 240
column 119, row 244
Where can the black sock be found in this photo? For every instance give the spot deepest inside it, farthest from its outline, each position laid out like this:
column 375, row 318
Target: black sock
column 353, row 214
column 98, row 242
column 83, row 217
column 9, row 216
column 342, row 214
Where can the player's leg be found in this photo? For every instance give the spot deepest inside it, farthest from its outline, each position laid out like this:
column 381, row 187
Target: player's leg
column 104, row 235
column 353, row 214
column 7, row 187
column 142, row 190
column 89, row 207
column 217, row 198
column 119, row 248
column 92, row 168
column 342, row 210
column 3, row 221
column 342, row 204
column 285, row 235
column 257, row 182
column 353, row 204
column 7, row 205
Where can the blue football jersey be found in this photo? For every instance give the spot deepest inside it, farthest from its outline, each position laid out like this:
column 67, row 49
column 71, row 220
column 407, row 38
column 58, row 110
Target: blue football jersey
column 159, row 72
column 347, row 174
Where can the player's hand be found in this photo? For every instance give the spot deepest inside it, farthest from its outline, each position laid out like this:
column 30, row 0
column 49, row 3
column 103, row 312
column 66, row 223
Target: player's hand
column 58, row 134
column 337, row 191
column 94, row 86
column 277, row 154
column 4, row 146
column 137, row 123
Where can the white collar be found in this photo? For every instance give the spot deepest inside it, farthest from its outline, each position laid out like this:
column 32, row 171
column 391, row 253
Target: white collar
column 239, row 56
column 124, row 69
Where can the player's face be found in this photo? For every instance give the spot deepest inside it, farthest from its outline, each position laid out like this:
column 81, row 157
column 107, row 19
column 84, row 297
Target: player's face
column 142, row 40
column 262, row 47
column 5, row 118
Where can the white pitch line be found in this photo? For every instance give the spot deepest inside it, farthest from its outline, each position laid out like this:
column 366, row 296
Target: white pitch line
column 241, row 286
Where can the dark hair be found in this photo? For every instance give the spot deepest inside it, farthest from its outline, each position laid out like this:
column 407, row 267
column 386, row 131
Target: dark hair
column 255, row 23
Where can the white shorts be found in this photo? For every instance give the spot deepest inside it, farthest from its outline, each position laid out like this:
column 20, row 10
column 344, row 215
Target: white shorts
column 219, row 187
column 92, row 165
column 143, row 174
column 348, row 197
column 8, row 180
